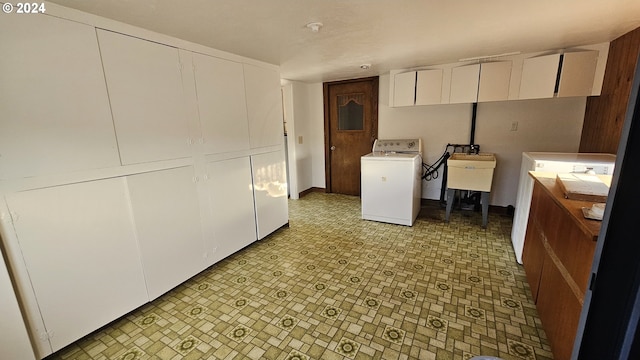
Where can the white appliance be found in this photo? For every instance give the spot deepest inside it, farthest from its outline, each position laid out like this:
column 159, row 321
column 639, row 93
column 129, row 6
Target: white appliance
column 601, row 164
column 391, row 181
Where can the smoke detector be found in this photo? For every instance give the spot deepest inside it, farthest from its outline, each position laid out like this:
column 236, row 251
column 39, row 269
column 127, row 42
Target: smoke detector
column 365, row 66
column 314, row 26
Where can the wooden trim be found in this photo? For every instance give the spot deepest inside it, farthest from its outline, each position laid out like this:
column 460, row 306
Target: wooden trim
column 312, row 190
column 327, row 133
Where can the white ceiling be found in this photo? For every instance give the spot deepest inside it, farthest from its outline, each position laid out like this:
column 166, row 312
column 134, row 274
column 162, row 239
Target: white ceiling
column 388, row 34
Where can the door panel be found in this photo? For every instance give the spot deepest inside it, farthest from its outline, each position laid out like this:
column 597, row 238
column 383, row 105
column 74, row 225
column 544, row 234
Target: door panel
column 351, row 126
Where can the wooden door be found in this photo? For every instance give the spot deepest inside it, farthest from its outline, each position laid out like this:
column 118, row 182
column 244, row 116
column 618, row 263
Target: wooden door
column 351, row 126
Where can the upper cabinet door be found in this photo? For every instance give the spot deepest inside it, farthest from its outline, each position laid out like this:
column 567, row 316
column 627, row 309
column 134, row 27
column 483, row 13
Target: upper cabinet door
column 578, row 72
column 495, row 78
column 539, row 76
column 464, row 84
column 264, row 106
column 55, row 108
column 429, row 87
column 221, row 104
column 147, row 101
column 404, row 89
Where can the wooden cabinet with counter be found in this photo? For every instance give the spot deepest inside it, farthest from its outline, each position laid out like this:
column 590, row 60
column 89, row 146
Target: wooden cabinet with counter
column 558, row 252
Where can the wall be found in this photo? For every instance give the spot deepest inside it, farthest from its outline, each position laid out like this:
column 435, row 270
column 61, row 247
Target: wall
column 605, row 114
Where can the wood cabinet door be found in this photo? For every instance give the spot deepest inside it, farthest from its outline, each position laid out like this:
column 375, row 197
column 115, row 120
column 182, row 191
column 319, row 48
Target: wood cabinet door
column 55, row 108
column 221, row 104
column 166, row 212
column 264, row 106
column 147, row 101
column 80, row 250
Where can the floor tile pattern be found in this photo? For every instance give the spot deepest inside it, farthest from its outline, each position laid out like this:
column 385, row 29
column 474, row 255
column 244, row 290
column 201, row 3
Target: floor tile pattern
column 334, row 286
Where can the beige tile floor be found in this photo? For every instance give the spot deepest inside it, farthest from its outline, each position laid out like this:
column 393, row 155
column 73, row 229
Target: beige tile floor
column 334, row 286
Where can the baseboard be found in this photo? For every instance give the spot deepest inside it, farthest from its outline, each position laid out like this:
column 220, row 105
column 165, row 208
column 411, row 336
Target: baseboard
column 311, row 190
column 501, row 210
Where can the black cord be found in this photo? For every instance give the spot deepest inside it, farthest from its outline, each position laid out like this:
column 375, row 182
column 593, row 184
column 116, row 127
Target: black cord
column 431, row 171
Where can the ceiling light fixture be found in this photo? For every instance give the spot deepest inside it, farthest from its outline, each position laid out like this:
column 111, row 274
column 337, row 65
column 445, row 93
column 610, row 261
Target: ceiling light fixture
column 365, row 66
column 314, row 26
column 490, row 56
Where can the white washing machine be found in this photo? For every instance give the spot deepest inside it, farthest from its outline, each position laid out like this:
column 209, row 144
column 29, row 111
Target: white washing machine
column 391, row 181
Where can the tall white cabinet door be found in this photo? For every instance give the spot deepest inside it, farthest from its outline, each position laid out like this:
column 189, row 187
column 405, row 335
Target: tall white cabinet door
column 80, row 250
column 233, row 220
column 221, row 104
column 429, row 87
column 270, row 191
column 145, row 89
column 464, row 84
column 495, row 78
column 539, row 76
column 404, row 89
column 14, row 339
column 578, row 72
column 55, row 108
column 166, row 212
column 264, row 106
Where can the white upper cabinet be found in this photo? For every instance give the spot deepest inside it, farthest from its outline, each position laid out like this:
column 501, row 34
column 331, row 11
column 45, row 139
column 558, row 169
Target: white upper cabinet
column 264, row 106
column 55, row 109
column 79, row 245
column 495, row 78
column 147, row 101
column 166, row 212
column 539, row 76
column 428, row 87
column 221, row 104
column 578, row 73
column 233, row 220
column 464, row 84
column 404, row 89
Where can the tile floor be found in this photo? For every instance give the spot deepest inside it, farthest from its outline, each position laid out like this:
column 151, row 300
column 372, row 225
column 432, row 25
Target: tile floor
column 333, row 286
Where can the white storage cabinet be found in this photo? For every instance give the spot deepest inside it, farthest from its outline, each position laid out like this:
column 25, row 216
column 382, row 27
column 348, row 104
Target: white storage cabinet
column 464, row 84
column 270, row 191
column 264, row 106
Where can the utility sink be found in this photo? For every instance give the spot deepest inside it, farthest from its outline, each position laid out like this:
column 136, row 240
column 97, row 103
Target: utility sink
column 471, row 171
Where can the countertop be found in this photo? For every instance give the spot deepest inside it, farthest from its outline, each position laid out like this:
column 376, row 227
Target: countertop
column 572, row 207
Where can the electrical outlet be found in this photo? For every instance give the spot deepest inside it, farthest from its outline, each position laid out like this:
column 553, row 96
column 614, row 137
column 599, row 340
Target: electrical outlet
column 514, row 126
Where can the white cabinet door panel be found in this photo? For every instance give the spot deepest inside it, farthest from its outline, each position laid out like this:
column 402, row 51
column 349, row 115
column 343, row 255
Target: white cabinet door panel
column 539, row 76
column 429, row 87
column 404, row 89
column 14, row 339
column 166, row 212
column 221, row 104
column 495, row 78
column 578, row 72
column 464, row 84
column 147, row 101
column 55, row 108
column 80, row 250
column 264, row 106
column 231, row 198
column 270, row 191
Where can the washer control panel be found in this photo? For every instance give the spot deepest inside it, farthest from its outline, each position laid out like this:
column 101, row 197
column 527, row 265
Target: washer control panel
column 398, row 146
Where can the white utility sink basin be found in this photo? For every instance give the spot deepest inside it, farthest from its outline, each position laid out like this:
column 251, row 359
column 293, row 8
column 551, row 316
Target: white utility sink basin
column 471, row 171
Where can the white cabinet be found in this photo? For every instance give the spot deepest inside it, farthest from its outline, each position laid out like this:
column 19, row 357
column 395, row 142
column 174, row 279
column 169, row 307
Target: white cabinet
column 464, row 84
column 55, row 109
column 578, row 73
column 221, row 104
column 79, row 246
column 14, row 340
column 147, row 102
column 270, row 191
column 233, row 220
column 428, row 87
column 495, row 78
column 166, row 213
column 404, row 89
column 264, row 106
column 539, row 76
column 562, row 75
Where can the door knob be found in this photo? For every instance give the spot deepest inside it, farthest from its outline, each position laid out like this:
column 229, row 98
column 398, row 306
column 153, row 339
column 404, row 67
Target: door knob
column 332, row 148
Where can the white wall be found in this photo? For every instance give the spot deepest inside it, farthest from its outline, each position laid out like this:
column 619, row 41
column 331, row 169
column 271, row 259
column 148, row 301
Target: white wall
column 543, row 125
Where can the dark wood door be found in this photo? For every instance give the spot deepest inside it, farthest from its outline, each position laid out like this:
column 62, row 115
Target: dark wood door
column 351, row 126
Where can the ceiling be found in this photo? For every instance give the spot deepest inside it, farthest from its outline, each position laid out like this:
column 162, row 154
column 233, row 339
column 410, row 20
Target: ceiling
column 388, row 34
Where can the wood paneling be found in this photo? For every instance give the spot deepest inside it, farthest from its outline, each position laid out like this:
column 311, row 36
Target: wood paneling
column 605, row 114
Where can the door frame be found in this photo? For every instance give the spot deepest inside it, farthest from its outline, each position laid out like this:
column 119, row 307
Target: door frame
column 327, row 129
